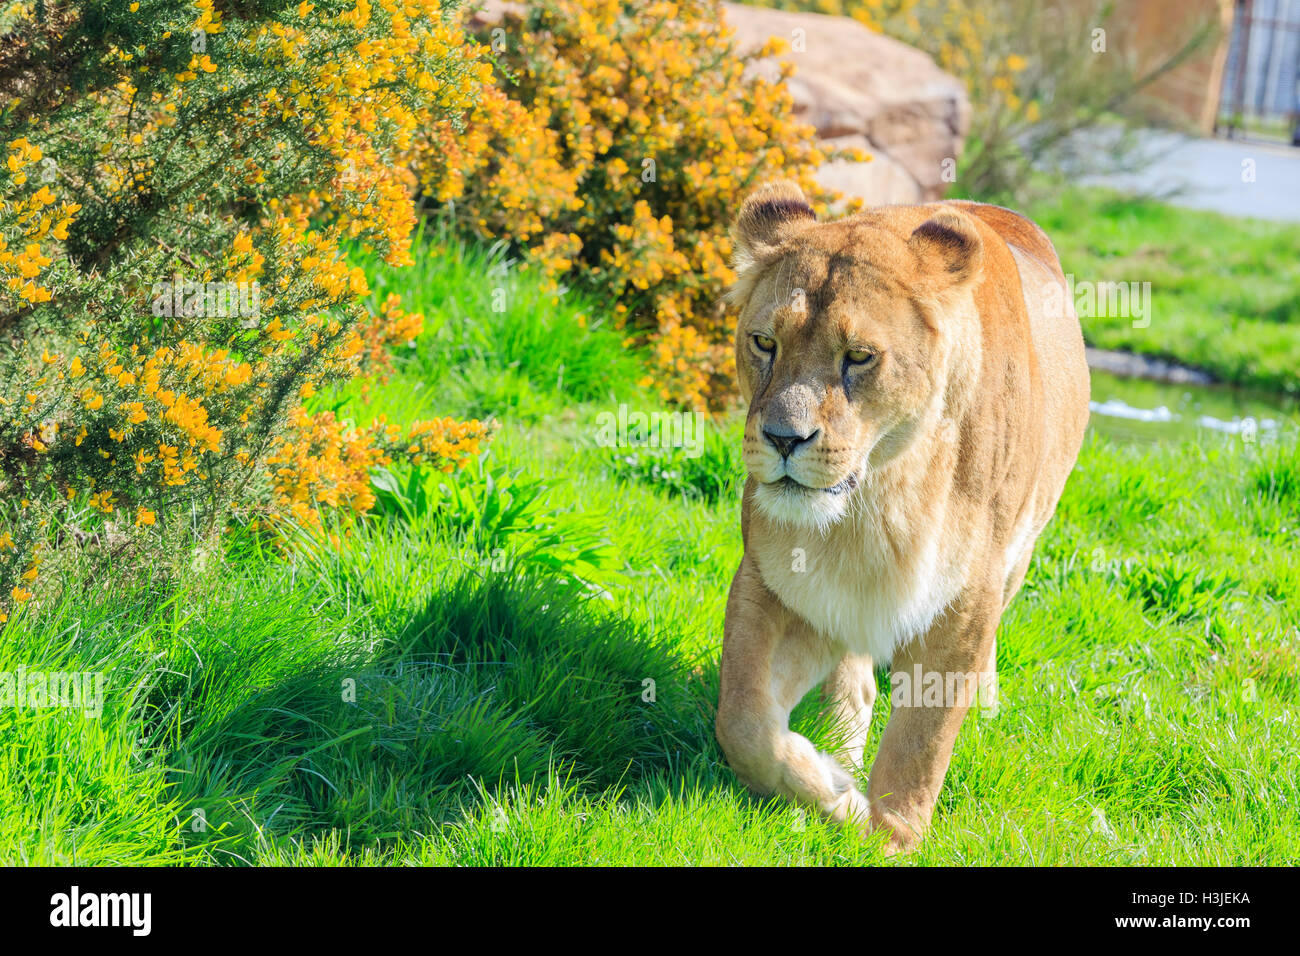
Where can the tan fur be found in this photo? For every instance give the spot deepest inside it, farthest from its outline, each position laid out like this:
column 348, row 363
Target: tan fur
column 945, row 459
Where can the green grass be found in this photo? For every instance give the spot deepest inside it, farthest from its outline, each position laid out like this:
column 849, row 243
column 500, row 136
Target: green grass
column 519, row 664
column 495, row 342
column 1225, row 292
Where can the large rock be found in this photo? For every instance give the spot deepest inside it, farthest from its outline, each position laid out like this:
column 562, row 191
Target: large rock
column 881, row 181
column 856, row 87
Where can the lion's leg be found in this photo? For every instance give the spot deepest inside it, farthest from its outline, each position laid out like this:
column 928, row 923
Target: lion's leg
column 989, row 675
column 988, row 700
column 923, row 723
column 851, row 692
column 770, row 659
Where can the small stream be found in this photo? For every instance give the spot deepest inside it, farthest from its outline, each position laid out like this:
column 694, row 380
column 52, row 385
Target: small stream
column 1139, row 410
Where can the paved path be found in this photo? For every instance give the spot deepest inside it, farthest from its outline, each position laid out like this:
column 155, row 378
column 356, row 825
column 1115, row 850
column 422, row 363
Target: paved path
column 1207, row 174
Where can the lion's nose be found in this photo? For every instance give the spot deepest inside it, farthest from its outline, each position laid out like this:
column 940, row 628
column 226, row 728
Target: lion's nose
column 785, row 439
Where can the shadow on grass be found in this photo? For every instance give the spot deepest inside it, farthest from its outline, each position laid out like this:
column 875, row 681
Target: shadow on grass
column 500, row 680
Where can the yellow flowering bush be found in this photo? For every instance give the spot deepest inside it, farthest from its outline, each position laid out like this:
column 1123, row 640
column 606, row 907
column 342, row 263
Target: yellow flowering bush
column 178, row 181
column 327, row 462
column 614, row 151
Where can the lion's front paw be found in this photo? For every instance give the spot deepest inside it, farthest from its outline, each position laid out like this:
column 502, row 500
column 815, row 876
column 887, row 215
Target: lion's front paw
column 851, row 808
column 903, row 837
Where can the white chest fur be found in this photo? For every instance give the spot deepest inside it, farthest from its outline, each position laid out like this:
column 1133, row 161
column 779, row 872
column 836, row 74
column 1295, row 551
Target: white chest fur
column 871, row 583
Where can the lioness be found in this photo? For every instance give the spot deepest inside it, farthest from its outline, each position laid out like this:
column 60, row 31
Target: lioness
column 917, row 396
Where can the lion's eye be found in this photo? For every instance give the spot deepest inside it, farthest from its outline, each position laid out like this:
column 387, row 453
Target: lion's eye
column 765, row 343
column 860, row 356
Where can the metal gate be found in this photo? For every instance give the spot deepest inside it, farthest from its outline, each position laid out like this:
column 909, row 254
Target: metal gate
column 1261, row 82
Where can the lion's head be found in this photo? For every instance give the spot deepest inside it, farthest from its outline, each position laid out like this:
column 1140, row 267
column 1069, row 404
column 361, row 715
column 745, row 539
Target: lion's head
column 848, row 335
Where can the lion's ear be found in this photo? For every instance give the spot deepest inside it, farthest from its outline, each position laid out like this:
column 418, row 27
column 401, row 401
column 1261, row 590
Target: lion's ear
column 949, row 244
column 768, row 216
